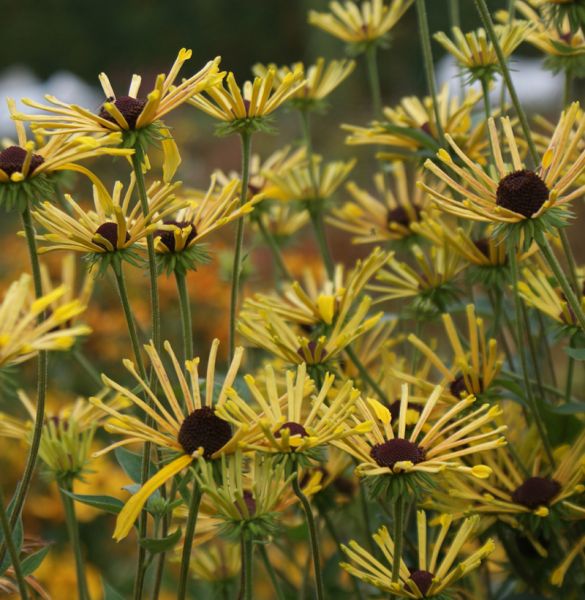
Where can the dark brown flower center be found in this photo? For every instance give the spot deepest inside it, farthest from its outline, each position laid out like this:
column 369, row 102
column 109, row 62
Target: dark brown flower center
column 536, row 491
column 345, row 486
column 12, row 160
column 458, row 387
column 522, row 192
column 308, row 354
column 423, row 580
column 167, row 236
column 397, row 450
column 395, row 409
column 204, row 429
column 109, row 230
column 293, row 429
column 483, row 246
column 401, row 216
column 129, row 107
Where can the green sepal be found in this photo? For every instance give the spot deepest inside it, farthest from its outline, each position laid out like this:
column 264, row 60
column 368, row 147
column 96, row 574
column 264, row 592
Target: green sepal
column 410, row 485
column 104, row 260
column 15, row 195
column 144, row 137
column 256, row 528
column 184, row 261
column 247, row 125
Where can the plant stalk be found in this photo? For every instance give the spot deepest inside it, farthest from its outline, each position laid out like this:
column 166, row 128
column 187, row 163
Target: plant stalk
column 185, row 308
column 188, row 543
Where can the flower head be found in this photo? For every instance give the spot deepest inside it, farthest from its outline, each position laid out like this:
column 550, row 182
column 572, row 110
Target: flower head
column 432, row 577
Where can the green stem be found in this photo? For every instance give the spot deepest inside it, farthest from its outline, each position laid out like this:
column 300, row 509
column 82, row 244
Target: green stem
column 271, row 573
column 568, row 89
column 246, row 138
column 493, row 37
column 485, row 88
column 306, row 129
column 185, row 307
column 247, row 567
column 42, row 368
column 454, row 13
column 12, row 551
column 398, row 537
column 313, row 535
column 570, row 373
column 546, row 346
column 534, row 407
column 315, row 208
column 425, row 38
column 568, row 252
column 558, row 272
column 364, row 374
column 274, row 248
column 374, row 79
column 188, row 543
column 137, row 160
column 533, row 352
column 73, row 529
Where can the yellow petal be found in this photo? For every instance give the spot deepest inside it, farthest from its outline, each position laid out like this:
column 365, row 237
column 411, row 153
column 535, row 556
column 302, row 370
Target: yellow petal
column 326, row 306
column 172, row 158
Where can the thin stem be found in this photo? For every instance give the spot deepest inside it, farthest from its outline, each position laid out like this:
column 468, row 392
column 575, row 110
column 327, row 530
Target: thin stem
column 12, row 551
column 568, row 88
column 562, row 279
column 73, row 529
column 534, row 407
column 274, row 248
column 247, row 567
column 425, row 39
column 546, row 346
column 42, row 368
column 485, row 88
column 568, row 252
column 570, row 373
column 185, row 308
column 130, row 321
column 137, row 160
column 533, row 352
column 454, row 13
column 364, row 374
column 313, row 535
column 374, row 79
column 398, row 535
column 271, row 573
column 188, row 543
column 246, row 139
column 86, row 365
column 488, row 24
column 306, row 129
column 315, row 208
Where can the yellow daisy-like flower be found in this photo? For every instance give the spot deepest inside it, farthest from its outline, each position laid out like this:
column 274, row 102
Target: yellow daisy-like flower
column 112, row 226
column 432, row 577
column 513, row 193
column 296, row 420
column 67, row 436
column 510, row 493
column 472, row 370
column 410, row 128
column 320, row 80
column 363, row 24
column 25, row 167
column 538, row 292
column 311, row 304
column 268, row 330
column 130, row 114
column 429, row 283
column 476, row 54
column 188, row 425
column 283, row 221
column 436, row 442
column 22, row 336
column 299, row 184
column 245, row 494
column 387, row 215
column 245, row 108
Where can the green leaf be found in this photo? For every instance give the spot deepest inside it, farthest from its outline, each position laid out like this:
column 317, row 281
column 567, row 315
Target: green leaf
column 570, row 408
column 157, row 545
column 576, row 353
column 17, row 536
column 31, row 563
column 106, row 503
column 131, row 464
column 110, row 593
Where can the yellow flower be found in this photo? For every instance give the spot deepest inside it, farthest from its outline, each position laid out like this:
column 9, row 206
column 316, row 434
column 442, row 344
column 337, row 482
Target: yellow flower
column 387, row 215
column 296, row 420
column 432, row 577
column 112, row 226
column 245, row 108
column 436, row 442
column 410, row 128
column 130, row 114
column 190, row 427
column 511, row 492
column 514, row 193
column 537, row 291
column 311, row 304
column 360, row 24
column 320, row 80
column 299, row 184
column 22, row 336
column 472, row 370
column 25, row 168
column 476, row 54
column 559, row 573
